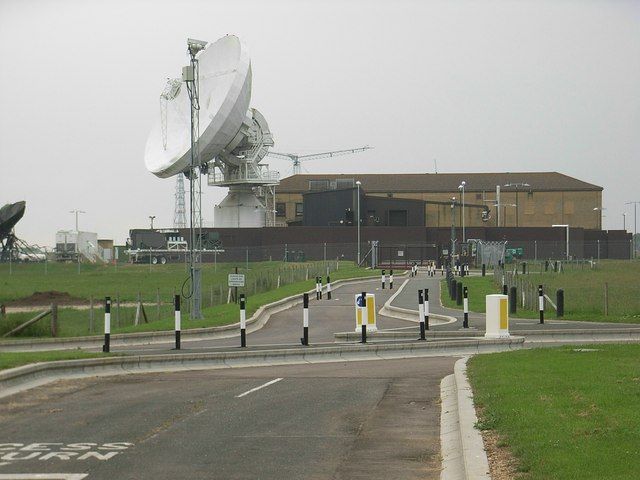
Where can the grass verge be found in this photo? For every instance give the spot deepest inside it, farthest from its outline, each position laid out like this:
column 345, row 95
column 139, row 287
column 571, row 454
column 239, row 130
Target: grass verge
column 563, row 413
column 74, row 323
column 584, row 292
column 17, row 359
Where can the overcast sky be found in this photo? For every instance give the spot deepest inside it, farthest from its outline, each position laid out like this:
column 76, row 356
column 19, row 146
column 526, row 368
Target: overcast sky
column 479, row 86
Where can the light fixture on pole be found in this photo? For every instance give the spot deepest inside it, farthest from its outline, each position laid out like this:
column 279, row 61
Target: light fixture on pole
column 600, row 215
column 358, row 183
column 567, row 227
column 517, row 185
column 76, row 212
column 461, row 188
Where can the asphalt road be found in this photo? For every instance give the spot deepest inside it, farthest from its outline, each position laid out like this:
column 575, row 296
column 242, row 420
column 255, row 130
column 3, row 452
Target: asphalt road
column 373, row 420
column 285, row 328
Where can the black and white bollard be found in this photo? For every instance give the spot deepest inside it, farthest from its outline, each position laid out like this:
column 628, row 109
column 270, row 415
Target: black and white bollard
column 365, row 317
column 421, row 314
column 541, row 303
column 178, row 320
column 317, row 289
column 107, row 324
column 426, row 308
column 484, row 269
column 390, row 279
column 328, row 288
column 243, row 321
column 305, row 319
column 320, row 286
column 465, row 298
column 383, row 279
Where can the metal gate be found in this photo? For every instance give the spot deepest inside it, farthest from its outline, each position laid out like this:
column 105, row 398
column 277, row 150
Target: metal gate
column 404, row 255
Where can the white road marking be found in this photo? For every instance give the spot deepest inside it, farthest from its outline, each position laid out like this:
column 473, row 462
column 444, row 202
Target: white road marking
column 257, row 388
column 43, row 476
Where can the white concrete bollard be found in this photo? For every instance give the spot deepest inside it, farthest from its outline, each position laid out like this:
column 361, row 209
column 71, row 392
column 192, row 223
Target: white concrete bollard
column 497, row 323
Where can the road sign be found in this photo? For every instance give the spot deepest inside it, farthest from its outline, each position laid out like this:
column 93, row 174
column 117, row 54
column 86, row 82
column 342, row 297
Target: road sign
column 236, row 279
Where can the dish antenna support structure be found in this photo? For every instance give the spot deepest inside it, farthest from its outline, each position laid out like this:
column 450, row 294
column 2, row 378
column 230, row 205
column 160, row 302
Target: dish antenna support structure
column 208, row 129
column 298, row 159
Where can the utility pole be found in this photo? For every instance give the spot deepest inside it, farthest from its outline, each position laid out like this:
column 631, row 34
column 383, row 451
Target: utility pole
column 358, row 220
column 453, row 228
column 635, row 224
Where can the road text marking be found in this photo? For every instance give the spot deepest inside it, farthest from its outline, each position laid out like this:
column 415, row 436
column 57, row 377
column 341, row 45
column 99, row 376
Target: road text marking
column 258, row 388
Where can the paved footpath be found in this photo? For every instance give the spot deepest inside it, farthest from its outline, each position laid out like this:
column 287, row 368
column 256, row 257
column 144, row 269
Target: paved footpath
column 373, row 420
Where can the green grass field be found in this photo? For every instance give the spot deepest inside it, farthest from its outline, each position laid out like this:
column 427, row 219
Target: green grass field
column 584, row 292
column 563, row 413
column 17, row 359
column 74, row 322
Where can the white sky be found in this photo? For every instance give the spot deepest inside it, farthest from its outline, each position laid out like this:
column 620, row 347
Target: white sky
column 480, row 86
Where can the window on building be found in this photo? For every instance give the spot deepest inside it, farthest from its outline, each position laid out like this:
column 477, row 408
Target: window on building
column 549, row 208
column 530, row 208
column 568, row 208
column 299, row 209
column 281, row 209
column 318, row 185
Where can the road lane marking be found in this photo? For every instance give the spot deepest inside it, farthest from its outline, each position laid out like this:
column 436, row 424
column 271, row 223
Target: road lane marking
column 258, row 388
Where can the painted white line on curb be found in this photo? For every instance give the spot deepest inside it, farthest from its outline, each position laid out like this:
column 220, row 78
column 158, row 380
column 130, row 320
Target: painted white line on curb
column 258, row 388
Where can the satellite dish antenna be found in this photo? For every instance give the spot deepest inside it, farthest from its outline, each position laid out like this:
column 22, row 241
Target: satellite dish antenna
column 232, row 138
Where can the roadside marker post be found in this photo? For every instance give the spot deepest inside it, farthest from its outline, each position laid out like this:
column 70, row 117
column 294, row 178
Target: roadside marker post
column 505, row 288
column 328, row 288
column 465, row 295
column 541, row 303
column 305, row 320
column 178, row 320
column 513, row 300
column 365, row 316
column 320, row 286
column 426, row 308
column 560, row 303
column 484, row 270
column 390, row 279
column 243, row 321
column 107, row 324
column 421, row 314
column 383, row 279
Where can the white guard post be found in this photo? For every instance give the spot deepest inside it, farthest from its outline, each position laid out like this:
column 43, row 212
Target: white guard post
column 371, row 313
column 497, row 308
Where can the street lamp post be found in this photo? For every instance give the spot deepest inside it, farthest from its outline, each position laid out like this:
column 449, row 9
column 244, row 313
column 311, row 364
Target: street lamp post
column 358, row 183
column 567, row 227
column 461, row 188
column 516, row 185
column 76, row 213
column 152, row 218
column 624, row 221
column 635, row 224
column 600, row 215
column 453, row 228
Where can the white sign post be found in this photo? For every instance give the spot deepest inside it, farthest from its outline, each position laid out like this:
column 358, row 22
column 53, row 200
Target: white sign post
column 236, row 279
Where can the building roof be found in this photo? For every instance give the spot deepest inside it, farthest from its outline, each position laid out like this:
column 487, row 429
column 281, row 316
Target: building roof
column 443, row 182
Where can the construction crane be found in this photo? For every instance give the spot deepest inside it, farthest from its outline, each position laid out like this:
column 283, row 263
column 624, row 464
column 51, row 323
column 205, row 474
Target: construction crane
column 298, row 159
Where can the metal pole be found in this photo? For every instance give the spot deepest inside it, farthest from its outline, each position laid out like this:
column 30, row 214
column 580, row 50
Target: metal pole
column 358, row 220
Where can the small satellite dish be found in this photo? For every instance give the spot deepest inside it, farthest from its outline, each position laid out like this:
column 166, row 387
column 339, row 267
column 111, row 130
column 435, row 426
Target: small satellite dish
column 233, row 137
column 10, row 214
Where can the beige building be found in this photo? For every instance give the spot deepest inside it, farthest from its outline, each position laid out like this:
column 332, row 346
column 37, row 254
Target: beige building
column 526, row 199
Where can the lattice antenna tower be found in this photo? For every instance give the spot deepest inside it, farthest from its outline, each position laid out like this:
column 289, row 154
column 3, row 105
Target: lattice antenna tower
column 180, row 211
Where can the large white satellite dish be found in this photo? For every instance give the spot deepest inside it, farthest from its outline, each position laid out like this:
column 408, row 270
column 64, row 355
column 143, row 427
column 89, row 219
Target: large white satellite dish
column 233, row 137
